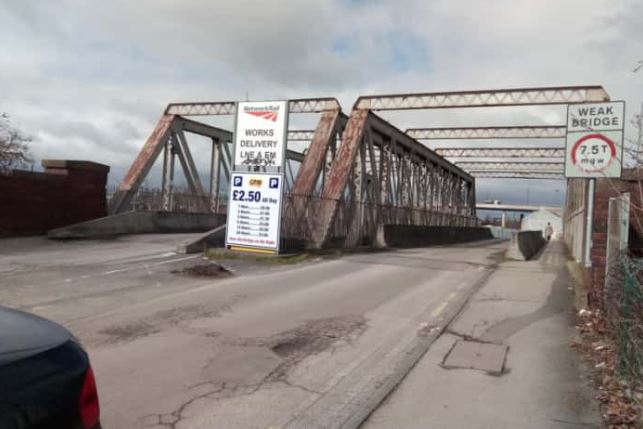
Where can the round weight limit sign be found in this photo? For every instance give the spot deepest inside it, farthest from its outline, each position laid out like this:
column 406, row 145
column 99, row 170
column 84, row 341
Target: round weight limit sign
column 593, row 153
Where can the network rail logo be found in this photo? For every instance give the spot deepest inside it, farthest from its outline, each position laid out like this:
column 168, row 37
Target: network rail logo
column 269, row 113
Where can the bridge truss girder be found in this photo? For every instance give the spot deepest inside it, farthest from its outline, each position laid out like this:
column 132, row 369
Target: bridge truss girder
column 170, row 137
column 490, row 98
column 380, row 175
column 512, row 132
column 502, row 166
column 217, row 108
column 517, row 175
column 501, row 152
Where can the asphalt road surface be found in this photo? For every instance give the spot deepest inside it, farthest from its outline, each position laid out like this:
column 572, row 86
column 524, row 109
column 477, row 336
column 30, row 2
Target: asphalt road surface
column 317, row 344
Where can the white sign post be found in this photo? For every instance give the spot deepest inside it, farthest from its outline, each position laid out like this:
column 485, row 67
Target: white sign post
column 254, row 212
column 594, row 140
column 594, row 149
column 254, row 207
column 260, row 133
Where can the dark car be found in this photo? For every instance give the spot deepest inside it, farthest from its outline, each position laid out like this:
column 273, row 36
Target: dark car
column 46, row 380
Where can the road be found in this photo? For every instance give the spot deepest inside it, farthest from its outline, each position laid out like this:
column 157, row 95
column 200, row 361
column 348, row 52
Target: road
column 316, row 344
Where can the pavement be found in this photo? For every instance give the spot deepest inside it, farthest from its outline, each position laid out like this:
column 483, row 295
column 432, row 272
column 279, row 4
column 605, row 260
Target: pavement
column 516, row 330
column 318, row 344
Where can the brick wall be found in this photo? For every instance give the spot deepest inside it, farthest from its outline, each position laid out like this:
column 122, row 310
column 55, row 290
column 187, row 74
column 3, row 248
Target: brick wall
column 606, row 189
column 67, row 192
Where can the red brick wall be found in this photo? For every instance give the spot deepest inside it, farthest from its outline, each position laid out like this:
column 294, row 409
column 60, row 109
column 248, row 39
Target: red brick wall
column 606, row 189
column 67, row 192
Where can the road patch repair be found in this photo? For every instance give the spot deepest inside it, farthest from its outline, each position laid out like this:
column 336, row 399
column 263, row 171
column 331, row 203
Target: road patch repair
column 486, row 357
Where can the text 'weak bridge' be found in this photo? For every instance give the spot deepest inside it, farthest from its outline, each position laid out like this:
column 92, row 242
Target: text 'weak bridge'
column 358, row 171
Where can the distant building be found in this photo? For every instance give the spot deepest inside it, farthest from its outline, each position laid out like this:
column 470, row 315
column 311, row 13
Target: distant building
column 537, row 221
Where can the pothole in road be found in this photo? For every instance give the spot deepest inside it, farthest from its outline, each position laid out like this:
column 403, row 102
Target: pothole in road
column 310, row 338
column 157, row 322
column 291, row 346
column 315, row 336
column 204, row 270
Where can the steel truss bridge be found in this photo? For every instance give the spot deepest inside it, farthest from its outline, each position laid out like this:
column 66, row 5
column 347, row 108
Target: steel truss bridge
column 360, row 171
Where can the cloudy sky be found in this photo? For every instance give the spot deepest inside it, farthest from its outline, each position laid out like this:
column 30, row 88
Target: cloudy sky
column 89, row 79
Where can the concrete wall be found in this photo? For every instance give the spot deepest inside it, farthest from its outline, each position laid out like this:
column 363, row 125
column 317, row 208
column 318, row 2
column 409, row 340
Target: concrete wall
column 141, row 223
column 525, row 244
column 66, row 192
column 419, row 236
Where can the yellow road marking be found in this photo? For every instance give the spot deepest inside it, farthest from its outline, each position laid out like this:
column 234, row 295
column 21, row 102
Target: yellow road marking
column 442, row 306
column 440, row 309
column 252, row 250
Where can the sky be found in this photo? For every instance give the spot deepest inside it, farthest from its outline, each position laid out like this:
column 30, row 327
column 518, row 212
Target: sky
column 88, row 79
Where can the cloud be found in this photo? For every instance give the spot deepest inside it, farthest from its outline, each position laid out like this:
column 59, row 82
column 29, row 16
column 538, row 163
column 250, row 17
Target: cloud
column 91, row 78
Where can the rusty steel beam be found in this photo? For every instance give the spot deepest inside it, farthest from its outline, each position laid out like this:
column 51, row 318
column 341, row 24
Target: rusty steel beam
column 501, row 152
column 338, row 176
column 155, row 143
column 486, row 98
column 381, row 175
column 294, row 156
column 169, row 135
column 527, row 166
column 189, row 168
column 513, row 132
column 312, row 165
column 204, row 130
column 517, row 175
column 408, row 143
column 216, row 108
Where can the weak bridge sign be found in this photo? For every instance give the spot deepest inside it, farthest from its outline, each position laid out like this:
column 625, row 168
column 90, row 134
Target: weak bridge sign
column 594, row 145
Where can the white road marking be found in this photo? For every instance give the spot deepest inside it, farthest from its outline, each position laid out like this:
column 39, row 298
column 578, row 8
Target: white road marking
column 177, row 260
column 104, row 273
column 115, row 271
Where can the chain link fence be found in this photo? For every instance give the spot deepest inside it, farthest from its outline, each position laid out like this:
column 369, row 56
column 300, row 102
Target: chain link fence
column 623, row 290
column 623, row 300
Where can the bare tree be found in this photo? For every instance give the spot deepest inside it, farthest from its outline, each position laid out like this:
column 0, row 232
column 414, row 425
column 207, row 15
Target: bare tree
column 14, row 146
column 638, row 66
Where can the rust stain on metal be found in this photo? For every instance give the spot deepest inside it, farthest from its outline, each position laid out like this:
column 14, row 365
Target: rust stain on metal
column 150, row 150
column 315, row 157
column 338, row 175
column 141, row 165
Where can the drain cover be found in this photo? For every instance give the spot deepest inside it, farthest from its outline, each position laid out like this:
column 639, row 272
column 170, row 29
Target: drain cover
column 474, row 355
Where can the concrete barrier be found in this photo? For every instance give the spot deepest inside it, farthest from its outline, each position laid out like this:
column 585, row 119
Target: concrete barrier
column 525, row 244
column 212, row 238
column 499, row 232
column 140, row 223
column 419, row 236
